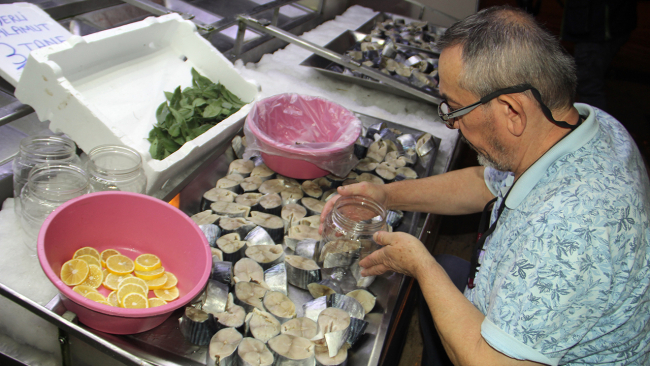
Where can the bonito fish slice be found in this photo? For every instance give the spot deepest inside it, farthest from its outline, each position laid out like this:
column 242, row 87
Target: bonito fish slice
column 300, row 327
column 276, row 278
column 252, row 352
column 323, row 357
column 262, row 325
column 249, row 295
column 279, row 305
column 301, row 271
column 365, row 298
column 334, row 324
column 290, row 350
column 266, row 255
column 241, row 167
column 223, row 346
column 232, row 246
column 233, row 316
column 258, row 236
column 248, row 270
column 339, row 253
column 230, row 209
column 300, row 232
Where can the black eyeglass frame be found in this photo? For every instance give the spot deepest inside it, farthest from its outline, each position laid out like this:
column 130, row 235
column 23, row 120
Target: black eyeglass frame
column 449, row 117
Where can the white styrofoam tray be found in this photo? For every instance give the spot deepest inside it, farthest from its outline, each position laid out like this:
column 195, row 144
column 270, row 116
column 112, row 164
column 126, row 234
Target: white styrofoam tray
column 104, row 88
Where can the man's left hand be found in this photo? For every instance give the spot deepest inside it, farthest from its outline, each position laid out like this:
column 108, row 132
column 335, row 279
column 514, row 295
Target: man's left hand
column 401, row 252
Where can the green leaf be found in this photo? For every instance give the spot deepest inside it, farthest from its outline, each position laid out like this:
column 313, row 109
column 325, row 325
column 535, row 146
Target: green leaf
column 177, row 115
column 212, row 110
column 169, row 95
column 198, row 102
column 161, row 113
column 176, row 98
column 186, row 112
column 226, row 105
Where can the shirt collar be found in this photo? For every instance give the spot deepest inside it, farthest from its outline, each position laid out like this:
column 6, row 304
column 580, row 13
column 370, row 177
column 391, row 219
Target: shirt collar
column 571, row 142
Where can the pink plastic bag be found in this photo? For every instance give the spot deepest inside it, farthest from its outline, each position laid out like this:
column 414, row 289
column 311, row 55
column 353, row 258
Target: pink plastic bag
column 289, row 127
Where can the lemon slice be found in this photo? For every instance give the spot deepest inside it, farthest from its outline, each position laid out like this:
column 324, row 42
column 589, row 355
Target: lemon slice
column 167, row 295
column 119, row 264
column 157, row 283
column 150, row 275
column 105, row 272
column 86, row 251
column 74, row 272
column 95, row 277
column 112, row 298
column 107, row 253
column 155, row 301
column 147, row 262
column 138, row 281
column 129, row 288
column 135, row 301
column 112, row 281
column 95, row 296
column 104, row 303
column 171, row 281
column 89, row 259
column 83, row 289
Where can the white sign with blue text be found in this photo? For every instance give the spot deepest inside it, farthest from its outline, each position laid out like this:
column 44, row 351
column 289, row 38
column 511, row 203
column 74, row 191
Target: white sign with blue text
column 24, row 27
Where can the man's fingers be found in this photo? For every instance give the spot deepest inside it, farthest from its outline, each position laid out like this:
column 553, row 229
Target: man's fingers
column 385, row 238
column 373, row 259
column 375, row 270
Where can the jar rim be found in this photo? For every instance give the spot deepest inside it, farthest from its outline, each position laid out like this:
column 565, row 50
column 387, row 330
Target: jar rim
column 66, row 167
column 125, row 151
column 30, row 144
column 362, row 201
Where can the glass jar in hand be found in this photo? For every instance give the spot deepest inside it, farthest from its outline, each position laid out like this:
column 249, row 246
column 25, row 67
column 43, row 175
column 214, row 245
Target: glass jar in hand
column 39, row 149
column 48, row 186
column 348, row 230
column 116, row 168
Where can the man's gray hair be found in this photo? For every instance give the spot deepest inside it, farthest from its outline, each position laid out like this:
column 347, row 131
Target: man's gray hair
column 504, row 47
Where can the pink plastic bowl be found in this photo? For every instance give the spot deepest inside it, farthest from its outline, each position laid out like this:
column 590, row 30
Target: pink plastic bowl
column 133, row 224
column 277, row 130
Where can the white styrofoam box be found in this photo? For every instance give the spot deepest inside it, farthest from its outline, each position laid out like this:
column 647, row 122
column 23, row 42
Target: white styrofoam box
column 104, row 88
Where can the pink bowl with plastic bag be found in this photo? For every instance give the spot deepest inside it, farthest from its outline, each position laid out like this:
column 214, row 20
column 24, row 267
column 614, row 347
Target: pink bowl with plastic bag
column 133, row 224
column 303, row 137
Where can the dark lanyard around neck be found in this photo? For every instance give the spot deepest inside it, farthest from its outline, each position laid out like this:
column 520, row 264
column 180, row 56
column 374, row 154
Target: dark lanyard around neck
column 483, row 234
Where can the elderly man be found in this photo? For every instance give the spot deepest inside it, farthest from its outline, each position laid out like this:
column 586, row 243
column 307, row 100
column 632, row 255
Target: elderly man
column 561, row 276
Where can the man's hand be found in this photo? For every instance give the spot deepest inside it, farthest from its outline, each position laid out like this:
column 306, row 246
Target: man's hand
column 374, row 191
column 401, row 252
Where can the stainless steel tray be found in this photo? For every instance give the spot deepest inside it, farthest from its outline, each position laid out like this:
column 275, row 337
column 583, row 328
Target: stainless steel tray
column 165, row 345
column 344, row 42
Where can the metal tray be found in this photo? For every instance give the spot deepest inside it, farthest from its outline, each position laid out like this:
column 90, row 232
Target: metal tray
column 165, row 345
column 345, row 41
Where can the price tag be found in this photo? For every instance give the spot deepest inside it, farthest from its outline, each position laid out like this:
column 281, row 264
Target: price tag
column 24, row 27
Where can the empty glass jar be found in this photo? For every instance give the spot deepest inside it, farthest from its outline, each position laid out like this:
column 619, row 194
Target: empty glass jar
column 117, row 168
column 48, row 186
column 348, row 230
column 39, row 149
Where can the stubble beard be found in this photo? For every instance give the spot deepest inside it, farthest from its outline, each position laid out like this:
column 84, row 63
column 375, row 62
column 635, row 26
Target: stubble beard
column 502, row 162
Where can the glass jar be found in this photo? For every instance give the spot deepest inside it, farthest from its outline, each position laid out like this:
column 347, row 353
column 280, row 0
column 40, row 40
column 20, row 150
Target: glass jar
column 116, row 168
column 39, row 149
column 348, row 230
column 48, row 186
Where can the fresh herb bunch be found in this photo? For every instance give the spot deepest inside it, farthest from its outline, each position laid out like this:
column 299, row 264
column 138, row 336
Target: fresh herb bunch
column 189, row 113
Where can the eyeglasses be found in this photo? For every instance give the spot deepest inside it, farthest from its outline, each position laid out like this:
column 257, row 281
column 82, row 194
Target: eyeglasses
column 448, row 115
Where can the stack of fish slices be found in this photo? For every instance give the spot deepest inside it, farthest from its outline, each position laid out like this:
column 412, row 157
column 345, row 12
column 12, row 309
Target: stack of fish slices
column 263, row 230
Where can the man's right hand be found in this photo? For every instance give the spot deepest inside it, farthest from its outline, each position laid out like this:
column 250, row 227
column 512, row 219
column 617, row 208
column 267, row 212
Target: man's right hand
column 373, row 191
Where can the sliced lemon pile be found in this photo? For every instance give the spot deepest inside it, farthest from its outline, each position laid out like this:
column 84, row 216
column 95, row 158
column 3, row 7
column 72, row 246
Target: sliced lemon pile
column 119, row 264
column 95, row 277
column 167, row 295
column 107, row 253
column 74, row 272
column 156, row 301
column 172, row 281
column 83, row 289
column 147, row 262
column 135, row 300
column 86, row 251
column 129, row 280
column 150, row 275
column 157, row 283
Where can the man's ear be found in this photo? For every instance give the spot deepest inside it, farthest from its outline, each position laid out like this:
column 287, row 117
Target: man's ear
column 511, row 110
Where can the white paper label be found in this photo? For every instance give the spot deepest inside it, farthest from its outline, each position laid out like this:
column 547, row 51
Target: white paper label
column 25, row 27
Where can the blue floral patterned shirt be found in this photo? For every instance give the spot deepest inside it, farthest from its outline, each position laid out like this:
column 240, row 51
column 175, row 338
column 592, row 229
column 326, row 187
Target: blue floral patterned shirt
column 565, row 276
